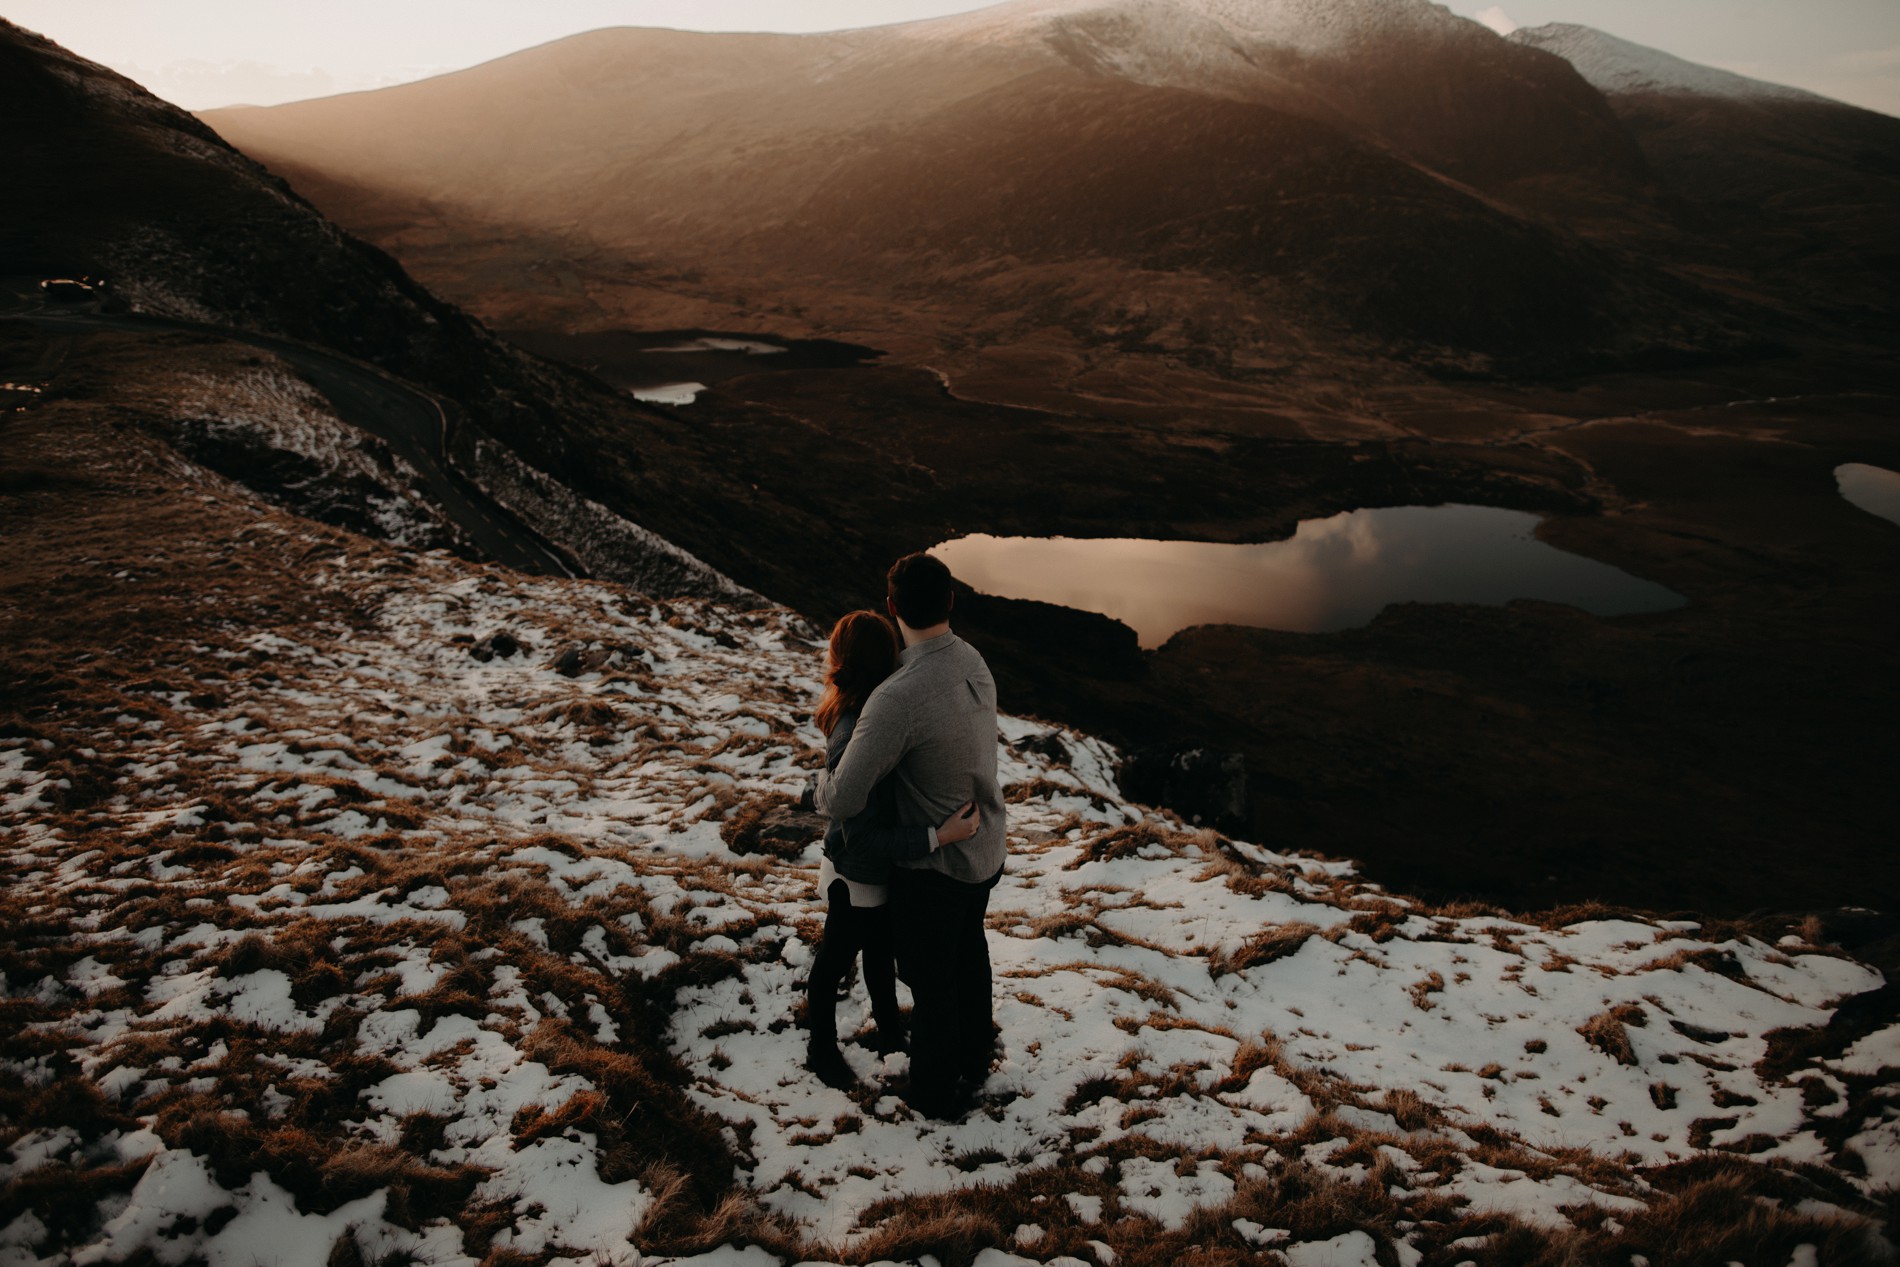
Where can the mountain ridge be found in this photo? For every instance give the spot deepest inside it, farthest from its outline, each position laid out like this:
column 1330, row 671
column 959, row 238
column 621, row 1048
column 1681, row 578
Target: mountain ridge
column 1797, row 189
column 1615, row 66
column 112, row 182
column 735, row 158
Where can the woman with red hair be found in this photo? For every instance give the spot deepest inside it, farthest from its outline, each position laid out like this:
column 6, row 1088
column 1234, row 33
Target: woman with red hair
column 859, row 854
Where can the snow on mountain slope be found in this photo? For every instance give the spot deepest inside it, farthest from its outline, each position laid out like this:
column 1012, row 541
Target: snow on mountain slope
column 1616, row 67
column 261, row 425
column 372, row 903
column 1181, row 27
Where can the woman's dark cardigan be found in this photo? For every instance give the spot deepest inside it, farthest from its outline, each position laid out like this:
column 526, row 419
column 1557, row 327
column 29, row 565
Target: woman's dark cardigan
column 865, row 846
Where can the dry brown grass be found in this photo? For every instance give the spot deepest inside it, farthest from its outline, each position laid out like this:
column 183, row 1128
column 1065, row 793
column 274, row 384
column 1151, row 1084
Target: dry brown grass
column 66, row 1197
column 643, row 1117
column 1409, row 1109
column 1423, row 989
column 1264, row 947
column 955, row 1228
column 1717, row 1219
column 1608, row 1032
column 1128, row 842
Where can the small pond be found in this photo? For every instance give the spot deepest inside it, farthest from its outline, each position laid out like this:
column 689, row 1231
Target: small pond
column 666, row 362
column 1331, row 574
column 1874, row 489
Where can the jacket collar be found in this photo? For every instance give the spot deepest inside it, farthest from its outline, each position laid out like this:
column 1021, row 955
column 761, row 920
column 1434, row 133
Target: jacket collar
column 910, row 655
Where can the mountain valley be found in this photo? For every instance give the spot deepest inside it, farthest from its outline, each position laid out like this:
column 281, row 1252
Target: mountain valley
column 406, row 706
column 1202, row 270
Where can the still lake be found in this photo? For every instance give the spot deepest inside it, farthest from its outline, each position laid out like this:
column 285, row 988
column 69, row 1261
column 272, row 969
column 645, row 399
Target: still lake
column 1874, row 489
column 1331, row 574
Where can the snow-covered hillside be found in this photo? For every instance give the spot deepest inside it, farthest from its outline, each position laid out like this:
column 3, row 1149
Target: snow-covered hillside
column 450, row 914
column 1189, row 29
column 266, row 426
column 1241, row 47
column 1615, row 67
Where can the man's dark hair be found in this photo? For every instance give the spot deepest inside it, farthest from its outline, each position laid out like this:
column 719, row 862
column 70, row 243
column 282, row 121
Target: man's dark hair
column 919, row 588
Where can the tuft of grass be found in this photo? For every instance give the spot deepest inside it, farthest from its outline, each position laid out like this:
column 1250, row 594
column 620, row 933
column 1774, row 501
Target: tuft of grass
column 1264, row 947
column 1128, row 842
column 955, row 1227
column 1608, row 1032
column 1423, row 989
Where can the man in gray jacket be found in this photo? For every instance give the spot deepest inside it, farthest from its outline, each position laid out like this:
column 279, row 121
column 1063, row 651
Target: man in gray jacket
column 933, row 723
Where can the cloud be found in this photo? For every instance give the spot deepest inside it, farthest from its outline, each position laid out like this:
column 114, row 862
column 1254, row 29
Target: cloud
column 204, row 85
column 1870, row 78
column 1497, row 19
column 197, row 85
column 1873, row 60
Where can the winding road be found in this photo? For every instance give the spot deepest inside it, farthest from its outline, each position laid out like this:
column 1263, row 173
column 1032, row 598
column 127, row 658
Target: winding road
column 414, row 423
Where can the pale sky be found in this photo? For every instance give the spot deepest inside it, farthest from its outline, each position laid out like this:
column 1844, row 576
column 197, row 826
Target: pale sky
column 204, row 53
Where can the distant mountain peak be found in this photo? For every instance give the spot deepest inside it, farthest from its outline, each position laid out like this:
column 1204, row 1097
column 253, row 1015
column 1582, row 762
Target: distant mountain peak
column 1311, row 26
column 1620, row 67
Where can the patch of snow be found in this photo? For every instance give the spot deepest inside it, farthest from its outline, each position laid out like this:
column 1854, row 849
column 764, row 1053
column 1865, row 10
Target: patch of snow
column 671, row 393
column 1348, row 1249
column 1158, row 1189
column 1619, row 67
column 1877, row 1052
column 609, row 546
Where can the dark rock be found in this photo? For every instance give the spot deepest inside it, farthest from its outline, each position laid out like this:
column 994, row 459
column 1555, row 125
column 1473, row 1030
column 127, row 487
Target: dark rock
column 1015, row 629
column 1201, row 784
column 500, row 643
column 1047, row 744
column 577, row 660
column 771, row 824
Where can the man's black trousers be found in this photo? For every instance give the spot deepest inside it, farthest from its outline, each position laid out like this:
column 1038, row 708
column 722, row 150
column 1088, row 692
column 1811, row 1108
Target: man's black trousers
column 944, row 956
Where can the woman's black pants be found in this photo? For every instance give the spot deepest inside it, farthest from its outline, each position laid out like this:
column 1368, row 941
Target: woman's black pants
column 849, row 931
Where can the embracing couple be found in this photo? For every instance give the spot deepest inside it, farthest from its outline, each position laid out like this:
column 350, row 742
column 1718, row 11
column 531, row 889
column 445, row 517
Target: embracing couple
column 916, row 839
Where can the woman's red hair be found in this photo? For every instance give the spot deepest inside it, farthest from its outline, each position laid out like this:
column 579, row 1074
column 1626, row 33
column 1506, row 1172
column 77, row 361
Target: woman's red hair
column 863, row 653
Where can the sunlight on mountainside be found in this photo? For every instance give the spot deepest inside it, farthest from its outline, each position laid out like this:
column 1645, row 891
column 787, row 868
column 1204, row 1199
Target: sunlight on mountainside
column 1419, row 496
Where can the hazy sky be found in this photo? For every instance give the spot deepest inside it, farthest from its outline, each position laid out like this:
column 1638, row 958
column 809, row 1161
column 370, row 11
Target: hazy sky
column 202, row 53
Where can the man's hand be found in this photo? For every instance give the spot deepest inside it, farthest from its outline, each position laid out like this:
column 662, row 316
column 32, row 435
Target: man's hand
column 960, row 826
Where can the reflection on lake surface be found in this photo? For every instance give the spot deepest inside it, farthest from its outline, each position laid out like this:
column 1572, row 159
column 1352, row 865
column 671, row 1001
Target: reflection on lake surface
column 751, row 347
column 669, row 393
column 1874, row 489
column 1332, row 574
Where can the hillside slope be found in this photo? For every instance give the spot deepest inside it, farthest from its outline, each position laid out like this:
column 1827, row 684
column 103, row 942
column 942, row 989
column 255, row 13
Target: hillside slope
column 107, row 181
column 342, row 929
column 1372, row 178
column 1798, row 192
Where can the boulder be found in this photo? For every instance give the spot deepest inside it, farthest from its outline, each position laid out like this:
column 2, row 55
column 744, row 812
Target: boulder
column 771, row 824
column 500, row 644
column 577, row 659
column 1048, row 743
column 1203, row 785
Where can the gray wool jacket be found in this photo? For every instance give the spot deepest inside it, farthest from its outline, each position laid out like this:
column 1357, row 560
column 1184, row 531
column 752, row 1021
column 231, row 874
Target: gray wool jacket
column 931, row 726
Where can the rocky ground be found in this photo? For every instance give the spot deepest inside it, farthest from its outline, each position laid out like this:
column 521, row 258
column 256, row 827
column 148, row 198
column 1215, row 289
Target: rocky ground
column 369, row 905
